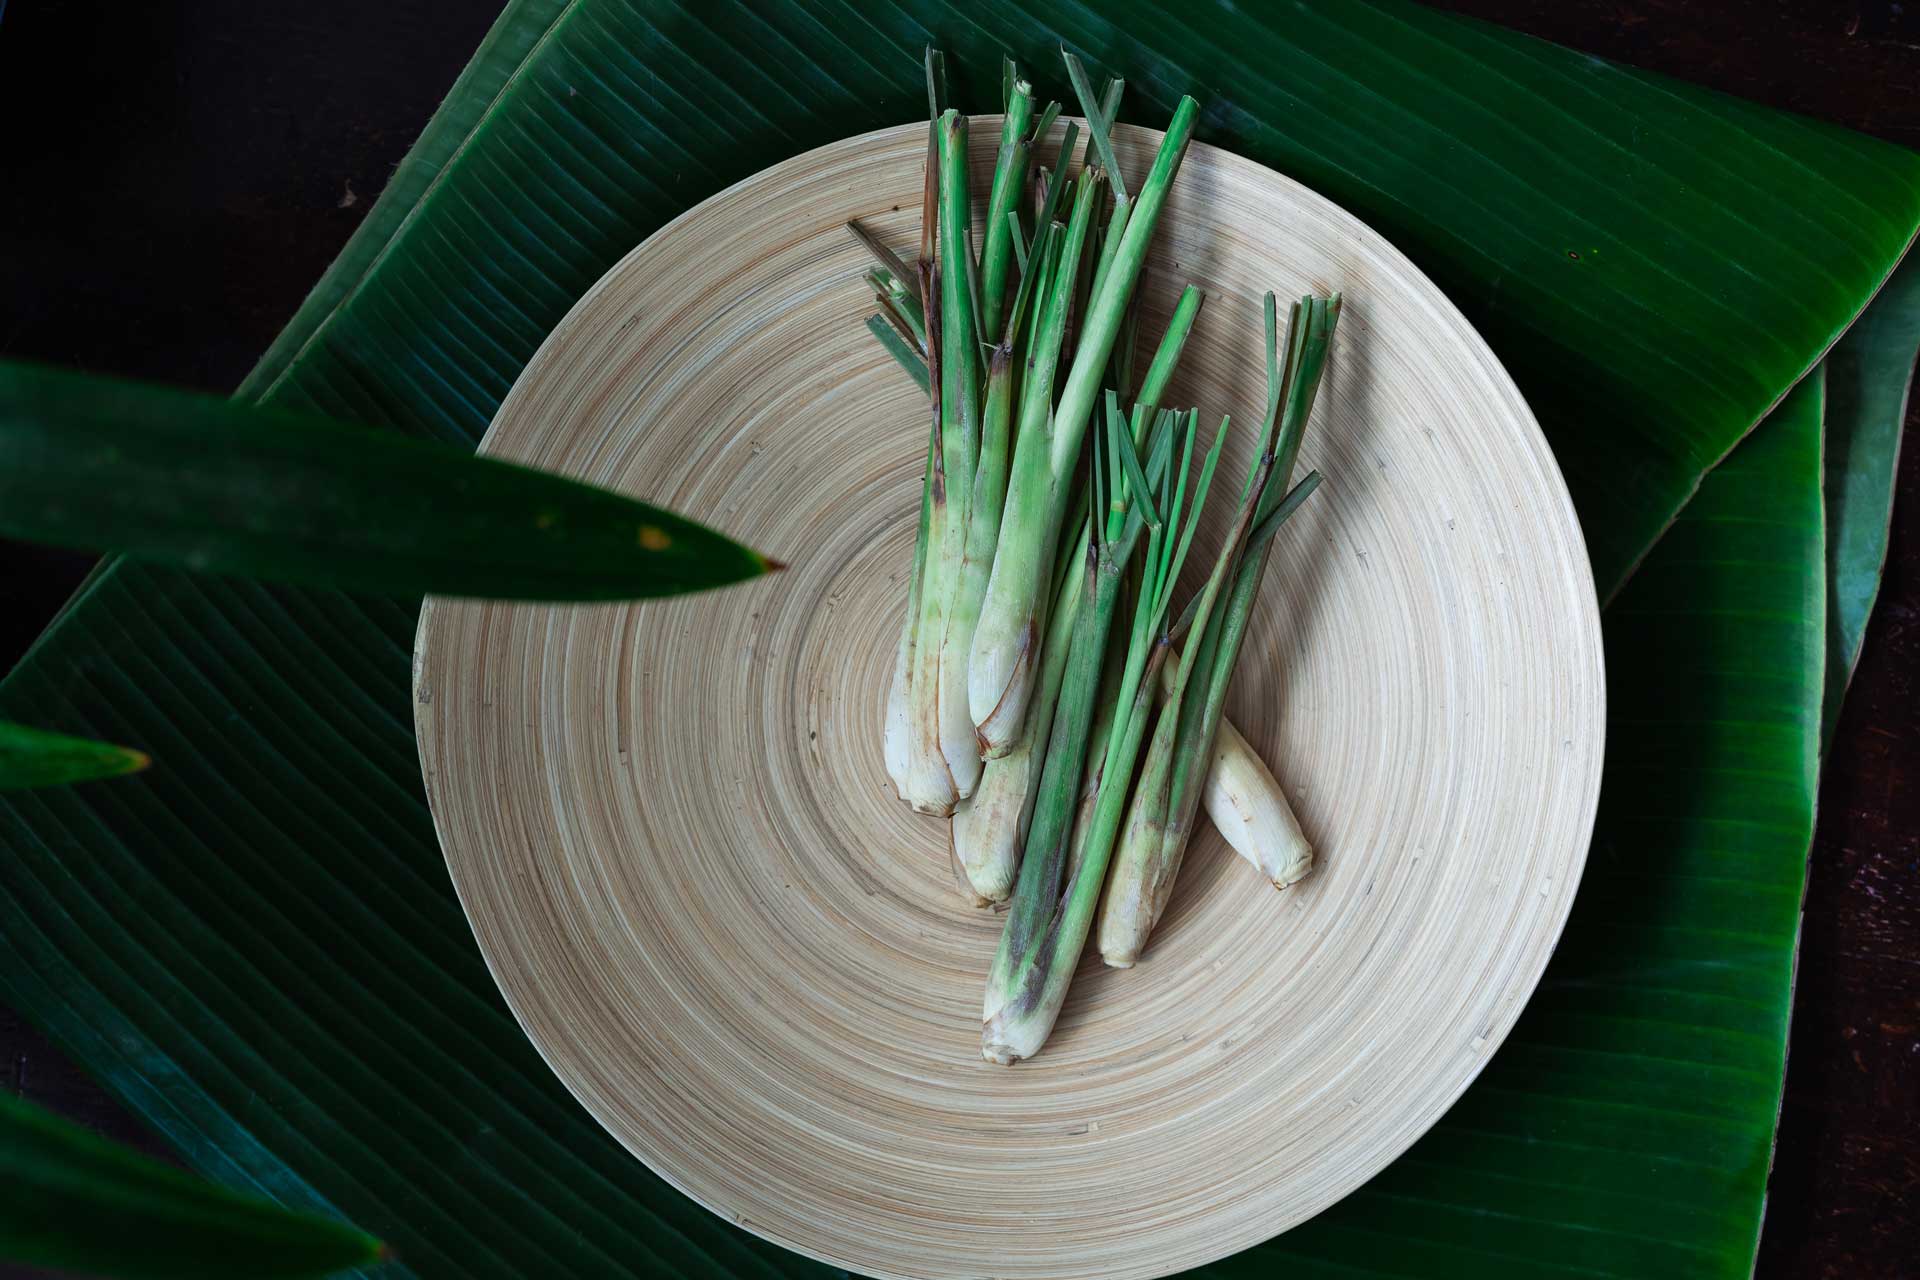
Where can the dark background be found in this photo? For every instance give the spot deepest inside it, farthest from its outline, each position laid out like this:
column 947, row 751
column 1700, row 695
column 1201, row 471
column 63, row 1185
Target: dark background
column 177, row 175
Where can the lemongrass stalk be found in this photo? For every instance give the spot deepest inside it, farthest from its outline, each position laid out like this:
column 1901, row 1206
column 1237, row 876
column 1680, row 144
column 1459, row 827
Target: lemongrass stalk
column 1026, row 547
column 1037, row 961
column 939, row 706
column 928, row 786
column 1245, row 802
column 1000, row 671
column 1169, row 793
column 1045, row 851
column 1299, row 390
column 1107, row 711
column 1133, row 878
column 1009, row 176
column 989, row 829
column 1246, row 805
column 898, row 738
column 1160, row 372
column 931, row 785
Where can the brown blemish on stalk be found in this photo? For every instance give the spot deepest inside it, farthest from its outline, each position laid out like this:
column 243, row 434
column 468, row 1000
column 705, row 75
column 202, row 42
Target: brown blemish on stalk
column 654, row 538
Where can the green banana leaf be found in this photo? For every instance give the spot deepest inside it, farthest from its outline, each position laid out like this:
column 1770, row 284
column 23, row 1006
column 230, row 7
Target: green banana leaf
column 35, row 758
column 1626, row 1127
column 78, row 1202
column 255, row 945
column 225, row 487
column 1869, row 374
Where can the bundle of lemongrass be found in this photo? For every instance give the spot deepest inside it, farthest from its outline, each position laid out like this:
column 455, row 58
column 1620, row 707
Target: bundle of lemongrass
column 1016, row 706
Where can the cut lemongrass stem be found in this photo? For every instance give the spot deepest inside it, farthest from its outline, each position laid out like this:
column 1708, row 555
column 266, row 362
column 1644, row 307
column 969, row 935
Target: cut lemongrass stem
column 1098, row 114
column 1294, row 387
column 1009, row 177
column 1053, row 190
column 999, row 678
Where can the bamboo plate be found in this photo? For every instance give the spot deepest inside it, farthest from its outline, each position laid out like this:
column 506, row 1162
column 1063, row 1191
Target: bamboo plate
column 673, row 834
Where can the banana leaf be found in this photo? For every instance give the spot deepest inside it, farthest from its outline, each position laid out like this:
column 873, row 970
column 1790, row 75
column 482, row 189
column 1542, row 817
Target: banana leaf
column 1626, row 1127
column 255, row 945
column 225, row 487
column 32, row 757
column 1869, row 374
column 76, row 1201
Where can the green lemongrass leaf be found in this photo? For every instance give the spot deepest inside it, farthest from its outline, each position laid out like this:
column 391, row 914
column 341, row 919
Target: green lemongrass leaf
column 1185, row 619
column 1201, row 489
column 220, row 487
column 900, row 349
column 895, row 317
column 1270, row 525
column 1171, row 485
column 1110, row 102
column 1017, row 239
column 1057, row 176
column 1009, row 72
column 1166, row 358
column 902, row 309
column 1093, row 109
column 1102, row 498
column 1110, row 241
column 1160, row 443
column 1044, row 122
column 1052, row 244
column 1269, row 313
column 1180, row 482
column 1003, row 198
column 77, row 1202
column 1140, row 491
column 36, row 758
column 1043, row 243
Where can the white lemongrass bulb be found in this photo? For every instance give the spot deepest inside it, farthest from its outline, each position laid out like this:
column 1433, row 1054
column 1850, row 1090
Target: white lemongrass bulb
column 1246, row 805
column 986, row 828
column 999, row 685
column 959, row 744
column 896, row 740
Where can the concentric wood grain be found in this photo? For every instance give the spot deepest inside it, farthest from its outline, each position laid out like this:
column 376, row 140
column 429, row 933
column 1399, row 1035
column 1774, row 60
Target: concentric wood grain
column 675, row 839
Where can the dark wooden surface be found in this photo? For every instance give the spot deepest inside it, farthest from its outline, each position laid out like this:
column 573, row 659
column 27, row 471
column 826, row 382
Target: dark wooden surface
column 179, row 174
